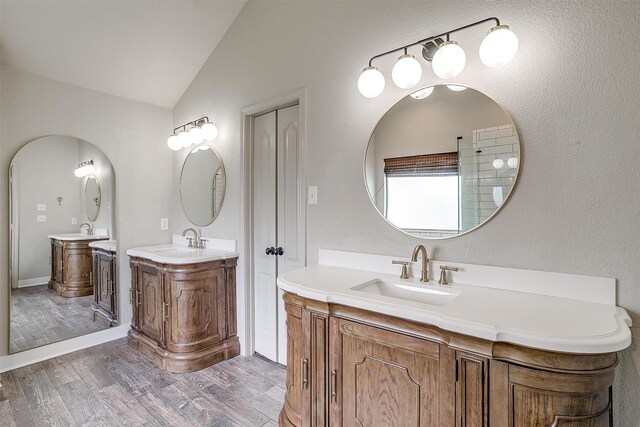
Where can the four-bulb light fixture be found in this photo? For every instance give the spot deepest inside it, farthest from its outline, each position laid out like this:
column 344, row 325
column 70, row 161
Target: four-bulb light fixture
column 199, row 131
column 446, row 56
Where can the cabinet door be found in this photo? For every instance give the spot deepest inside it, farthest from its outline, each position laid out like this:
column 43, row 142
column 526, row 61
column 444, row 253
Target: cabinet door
column 77, row 264
column 523, row 397
column 150, row 300
column 382, row 378
column 471, row 390
column 56, row 250
column 102, row 281
column 197, row 310
column 297, row 395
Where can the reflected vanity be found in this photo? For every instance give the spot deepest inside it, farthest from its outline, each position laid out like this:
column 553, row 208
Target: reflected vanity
column 56, row 212
column 442, row 161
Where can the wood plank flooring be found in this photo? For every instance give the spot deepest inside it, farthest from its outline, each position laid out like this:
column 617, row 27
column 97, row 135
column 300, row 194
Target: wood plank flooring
column 39, row 316
column 114, row 385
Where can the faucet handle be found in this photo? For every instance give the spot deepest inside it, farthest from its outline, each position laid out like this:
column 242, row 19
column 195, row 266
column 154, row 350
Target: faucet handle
column 190, row 239
column 443, row 274
column 405, row 269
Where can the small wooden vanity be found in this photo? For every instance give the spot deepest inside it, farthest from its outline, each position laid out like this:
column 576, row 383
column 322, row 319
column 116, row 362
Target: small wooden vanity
column 71, row 264
column 482, row 359
column 184, row 313
column 105, row 287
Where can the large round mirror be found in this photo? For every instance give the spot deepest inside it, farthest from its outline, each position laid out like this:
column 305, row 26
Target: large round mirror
column 442, row 161
column 92, row 197
column 202, row 185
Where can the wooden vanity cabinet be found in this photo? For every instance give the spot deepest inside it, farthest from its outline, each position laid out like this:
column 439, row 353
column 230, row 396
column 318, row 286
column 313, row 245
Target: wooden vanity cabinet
column 350, row 367
column 105, row 289
column 184, row 316
column 71, row 268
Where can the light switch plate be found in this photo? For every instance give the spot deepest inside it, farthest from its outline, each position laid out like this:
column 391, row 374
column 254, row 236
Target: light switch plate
column 312, row 195
column 41, row 218
column 164, row 224
column 41, row 207
column 74, row 221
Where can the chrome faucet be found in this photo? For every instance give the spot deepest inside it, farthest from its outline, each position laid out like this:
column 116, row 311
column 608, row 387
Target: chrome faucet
column 191, row 239
column 425, row 261
column 89, row 228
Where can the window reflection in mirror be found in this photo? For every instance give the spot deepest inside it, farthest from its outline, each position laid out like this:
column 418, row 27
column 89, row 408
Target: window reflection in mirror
column 442, row 161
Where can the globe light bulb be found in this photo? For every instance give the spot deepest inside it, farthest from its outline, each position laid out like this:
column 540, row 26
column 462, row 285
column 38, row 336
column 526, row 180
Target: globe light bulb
column 498, row 163
column 499, row 46
column 449, row 60
column 174, row 143
column 371, row 82
column 406, row 72
column 513, row 162
column 457, row 88
column 184, row 139
column 422, row 93
column 209, row 131
column 195, row 133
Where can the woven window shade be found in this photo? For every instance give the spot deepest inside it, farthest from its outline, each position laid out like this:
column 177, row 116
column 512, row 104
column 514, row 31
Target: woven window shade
column 441, row 164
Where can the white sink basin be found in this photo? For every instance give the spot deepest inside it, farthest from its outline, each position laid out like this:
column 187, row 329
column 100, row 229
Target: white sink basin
column 177, row 249
column 410, row 291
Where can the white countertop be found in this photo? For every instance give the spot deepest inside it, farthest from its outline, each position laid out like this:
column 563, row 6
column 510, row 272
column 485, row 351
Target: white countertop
column 538, row 321
column 107, row 245
column 176, row 254
column 76, row 236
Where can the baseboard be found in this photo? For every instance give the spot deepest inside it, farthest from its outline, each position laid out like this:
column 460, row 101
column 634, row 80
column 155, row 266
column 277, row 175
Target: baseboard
column 36, row 281
column 27, row 357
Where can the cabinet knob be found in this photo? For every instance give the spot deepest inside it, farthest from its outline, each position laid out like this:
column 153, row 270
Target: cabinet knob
column 279, row 250
column 270, row 251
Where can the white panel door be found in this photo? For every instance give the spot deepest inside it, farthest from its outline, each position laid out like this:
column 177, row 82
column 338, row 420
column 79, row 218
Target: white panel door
column 291, row 198
column 264, row 236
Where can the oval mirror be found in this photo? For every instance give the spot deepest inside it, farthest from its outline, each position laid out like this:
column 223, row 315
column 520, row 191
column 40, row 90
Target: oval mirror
column 442, row 161
column 92, row 198
column 202, row 185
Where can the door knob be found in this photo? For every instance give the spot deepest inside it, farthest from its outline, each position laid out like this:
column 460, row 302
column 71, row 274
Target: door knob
column 279, row 250
column 270, row 251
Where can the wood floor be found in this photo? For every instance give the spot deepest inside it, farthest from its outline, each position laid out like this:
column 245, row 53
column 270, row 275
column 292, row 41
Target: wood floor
column 39, row 316
column 113, row 385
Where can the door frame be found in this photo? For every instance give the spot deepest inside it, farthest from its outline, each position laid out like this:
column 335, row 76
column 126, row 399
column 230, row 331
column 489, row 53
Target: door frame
column 246, row 200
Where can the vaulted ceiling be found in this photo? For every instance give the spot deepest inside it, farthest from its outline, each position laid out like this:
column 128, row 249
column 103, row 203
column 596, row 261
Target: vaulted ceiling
column 148, row 51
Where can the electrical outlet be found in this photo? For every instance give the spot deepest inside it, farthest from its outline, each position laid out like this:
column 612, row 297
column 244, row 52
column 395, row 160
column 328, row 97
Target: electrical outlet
column 312, row 195
column 74, row 221
column 164, row 224
column 41, row 207
column 42, row 218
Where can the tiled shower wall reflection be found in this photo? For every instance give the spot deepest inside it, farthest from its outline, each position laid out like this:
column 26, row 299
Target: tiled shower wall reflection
column 484, row 185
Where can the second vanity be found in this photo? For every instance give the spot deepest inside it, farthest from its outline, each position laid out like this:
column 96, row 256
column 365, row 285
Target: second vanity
column 184, row 306
column 368, row 348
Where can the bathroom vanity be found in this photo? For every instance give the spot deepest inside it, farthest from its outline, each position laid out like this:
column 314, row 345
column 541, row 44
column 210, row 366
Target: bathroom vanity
column 71, row 264
column 105, row 287
column 184, row 306
column 368, row 348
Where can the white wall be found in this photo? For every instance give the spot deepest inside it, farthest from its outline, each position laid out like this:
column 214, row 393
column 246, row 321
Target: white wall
column 45, row 173
column 572, row 91
column 131, row 134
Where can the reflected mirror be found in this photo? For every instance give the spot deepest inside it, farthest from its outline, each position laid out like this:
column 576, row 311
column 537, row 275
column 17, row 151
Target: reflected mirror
column 202, row 185
column 442, row 161
column 62, row 201
column 92, row 197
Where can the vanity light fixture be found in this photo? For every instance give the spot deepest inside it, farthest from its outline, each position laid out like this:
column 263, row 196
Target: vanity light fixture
column 422, row 93
column 192, row 133
column 456, row 88
column 84, row 169
column 447, row 58
column 498, row 163
column 512, row 162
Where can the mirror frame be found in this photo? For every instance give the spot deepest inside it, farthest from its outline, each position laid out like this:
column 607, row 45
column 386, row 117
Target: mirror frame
column 224, row 191
column 99, row 204
column 498, row 209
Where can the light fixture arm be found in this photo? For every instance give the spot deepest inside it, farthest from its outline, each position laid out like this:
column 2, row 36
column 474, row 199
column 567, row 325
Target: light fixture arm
column 199, row 121
column 447, row 33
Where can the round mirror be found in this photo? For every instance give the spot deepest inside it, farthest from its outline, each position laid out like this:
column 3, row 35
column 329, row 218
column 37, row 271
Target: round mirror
column 202, row 185
column 92, row 198
column 442, row 161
